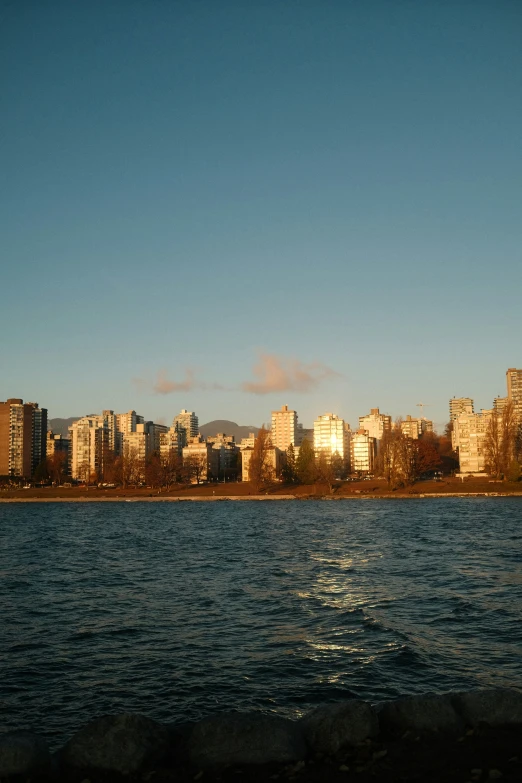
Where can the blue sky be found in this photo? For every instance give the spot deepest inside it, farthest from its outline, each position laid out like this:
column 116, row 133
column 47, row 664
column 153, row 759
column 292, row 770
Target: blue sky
column 328, row 192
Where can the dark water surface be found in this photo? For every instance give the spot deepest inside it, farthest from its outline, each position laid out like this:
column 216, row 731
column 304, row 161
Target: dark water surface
column 180, row 610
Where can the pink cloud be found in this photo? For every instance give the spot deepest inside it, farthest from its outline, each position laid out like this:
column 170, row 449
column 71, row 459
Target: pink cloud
column 165, row 386
column 276, row 374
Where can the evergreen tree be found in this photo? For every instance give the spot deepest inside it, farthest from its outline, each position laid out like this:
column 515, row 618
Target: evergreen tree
column 305, row 463
column 289, row 473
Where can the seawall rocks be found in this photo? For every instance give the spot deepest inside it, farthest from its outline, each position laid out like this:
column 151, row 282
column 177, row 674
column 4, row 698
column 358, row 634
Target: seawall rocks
column 328, row 729
column 234, row 738
column 23, row 753
column 122, row 743
column 128, row 744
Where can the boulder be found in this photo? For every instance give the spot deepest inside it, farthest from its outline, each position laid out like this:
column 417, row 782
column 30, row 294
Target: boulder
column 328, row 729
column 496, row 706
column 420, row 714
column 123, row 743
column 237, row 738
column 23, row 753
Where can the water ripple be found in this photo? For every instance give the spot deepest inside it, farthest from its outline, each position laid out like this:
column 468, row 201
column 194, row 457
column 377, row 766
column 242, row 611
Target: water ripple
column 181, row 610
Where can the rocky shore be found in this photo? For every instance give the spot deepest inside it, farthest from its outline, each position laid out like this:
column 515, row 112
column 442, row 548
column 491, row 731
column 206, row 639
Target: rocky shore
column 459, row 736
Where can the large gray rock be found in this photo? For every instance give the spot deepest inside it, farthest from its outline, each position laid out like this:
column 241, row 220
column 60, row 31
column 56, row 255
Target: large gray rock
column 496, row 706
column 237, row 738
column 123, row 743
column 420, row 714
column 23, row 753
column 328, row 729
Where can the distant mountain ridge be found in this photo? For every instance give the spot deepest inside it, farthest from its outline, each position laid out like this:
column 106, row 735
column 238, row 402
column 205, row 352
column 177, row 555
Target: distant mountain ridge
column 239, row 431
column 61, row 426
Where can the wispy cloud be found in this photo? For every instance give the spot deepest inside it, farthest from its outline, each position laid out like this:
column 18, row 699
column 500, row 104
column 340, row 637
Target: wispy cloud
column 165, row 386
column 276, row 374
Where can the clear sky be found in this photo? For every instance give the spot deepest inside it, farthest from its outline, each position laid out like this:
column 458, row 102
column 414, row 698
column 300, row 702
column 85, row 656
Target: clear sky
column 229, row 206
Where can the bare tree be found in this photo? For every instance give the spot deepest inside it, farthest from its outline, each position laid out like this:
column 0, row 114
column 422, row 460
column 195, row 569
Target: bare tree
column 260, row 471
column 130, row 466
column 500, row 444
column 154, row 471
column 171, row 469
column 84, row 472
column 56, row 466
column 396, row 458
column 329, row 468
column 194, row 468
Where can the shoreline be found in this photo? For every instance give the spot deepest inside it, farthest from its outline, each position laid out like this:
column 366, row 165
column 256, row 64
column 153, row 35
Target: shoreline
column 452, row 736
column 257, row 498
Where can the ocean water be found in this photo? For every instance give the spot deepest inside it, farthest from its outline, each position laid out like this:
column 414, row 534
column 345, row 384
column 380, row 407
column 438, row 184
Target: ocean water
column 181, row 610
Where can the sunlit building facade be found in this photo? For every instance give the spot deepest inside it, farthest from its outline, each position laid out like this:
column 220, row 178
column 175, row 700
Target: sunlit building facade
column 284, row 428
column 187, row 424
column 460, row 405
column 375, row 423
column 331, row 435
column 469, row 439
column 363, row 449
column 514, row 390
column 414, row 428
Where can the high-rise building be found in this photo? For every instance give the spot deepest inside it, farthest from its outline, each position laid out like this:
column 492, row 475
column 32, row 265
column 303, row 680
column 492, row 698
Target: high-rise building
column 458, row 405
column 415, row 428
column 155, row 433
column 89, row 438
column 499, row 403
column 126, row 422
column 274, row 462
column 39, row 435
column 57, row 444
column 170, row 443
column 137, row 446
column 331, row 435
column 304, row 433
column 201, row 460
column 187, row 424
column 248, row 443
column 284, row 428
column 23, row 428
column 469, row 439
column 514, row 390
column 375, row 423
column 363, row 448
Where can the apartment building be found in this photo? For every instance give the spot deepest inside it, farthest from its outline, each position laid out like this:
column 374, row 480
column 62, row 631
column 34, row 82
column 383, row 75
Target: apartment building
column 514, row 390
column 499, row 403
column 89, row 441
column 39, row 435
column 23, row 428
column 247, row 443
column 363, row 450
column 415, row 428
column 56, row 444
column 274, row 461
column 459, row 405
column 187, row 424
column 202, row 455
column 155, row 433
column 304, row 433
column 226, row 447
column 126, row 422
column 284, row 428
column 375, row 423
column 469, row 438
column 331, row 435
column 170, row 443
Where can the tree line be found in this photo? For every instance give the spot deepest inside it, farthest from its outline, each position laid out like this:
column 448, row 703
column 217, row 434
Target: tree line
column 400, row 460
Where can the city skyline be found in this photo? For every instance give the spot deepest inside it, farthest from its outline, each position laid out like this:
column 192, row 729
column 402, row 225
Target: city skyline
column 201, row 207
